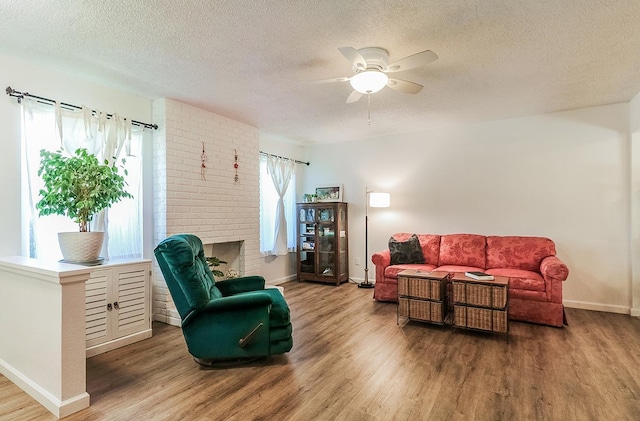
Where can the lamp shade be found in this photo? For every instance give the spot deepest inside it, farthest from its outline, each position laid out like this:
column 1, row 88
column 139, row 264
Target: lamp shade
column 379, row 200
column 369, row 81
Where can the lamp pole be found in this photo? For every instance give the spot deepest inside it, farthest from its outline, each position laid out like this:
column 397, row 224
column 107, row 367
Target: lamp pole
column 375, row 200
column 365, row 283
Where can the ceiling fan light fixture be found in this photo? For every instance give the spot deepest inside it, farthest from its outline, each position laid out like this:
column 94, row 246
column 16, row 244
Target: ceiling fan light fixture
column 369, row 81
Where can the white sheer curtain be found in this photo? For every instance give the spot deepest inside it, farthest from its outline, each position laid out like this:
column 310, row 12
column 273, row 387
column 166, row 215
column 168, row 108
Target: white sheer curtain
column 53, row 128
column 277, row 205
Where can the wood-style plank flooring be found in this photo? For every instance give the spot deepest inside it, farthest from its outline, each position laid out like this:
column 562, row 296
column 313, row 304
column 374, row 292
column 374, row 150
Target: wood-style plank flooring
column 351, row 361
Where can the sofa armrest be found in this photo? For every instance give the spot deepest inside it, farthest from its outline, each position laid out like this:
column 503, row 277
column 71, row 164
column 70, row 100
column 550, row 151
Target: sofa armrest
column 381, row 258
column 552, row 267
column 239, row 285
column 554, row 273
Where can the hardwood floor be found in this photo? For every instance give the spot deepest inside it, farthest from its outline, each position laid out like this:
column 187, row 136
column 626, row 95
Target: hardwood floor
column 351, row 361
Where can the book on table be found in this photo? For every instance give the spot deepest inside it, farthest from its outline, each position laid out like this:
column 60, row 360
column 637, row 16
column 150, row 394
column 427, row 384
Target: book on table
column 479, row 276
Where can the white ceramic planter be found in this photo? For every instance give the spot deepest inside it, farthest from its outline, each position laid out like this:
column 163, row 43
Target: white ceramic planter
column 81, row 246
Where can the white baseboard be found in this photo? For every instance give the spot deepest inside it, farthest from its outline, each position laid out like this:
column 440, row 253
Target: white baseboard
column 173, row 321
column 281, row 280
column 635, row 312
column 120, row 342
column 59, row 408
column 608, row 308
column 360, row 280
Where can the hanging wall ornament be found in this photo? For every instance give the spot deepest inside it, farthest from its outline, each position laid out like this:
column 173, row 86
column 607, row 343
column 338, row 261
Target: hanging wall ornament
column 235, row 164
column 203, row 165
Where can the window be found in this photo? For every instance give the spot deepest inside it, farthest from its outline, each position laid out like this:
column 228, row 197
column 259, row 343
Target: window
column 268, row 205
column 123, row 220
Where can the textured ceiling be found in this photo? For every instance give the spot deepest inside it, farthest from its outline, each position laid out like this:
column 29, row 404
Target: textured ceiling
column 251, row 60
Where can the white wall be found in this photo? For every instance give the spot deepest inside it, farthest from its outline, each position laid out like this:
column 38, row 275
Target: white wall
column 634, row 130
column 29, row 77
column 278, row 269
column 563, row 175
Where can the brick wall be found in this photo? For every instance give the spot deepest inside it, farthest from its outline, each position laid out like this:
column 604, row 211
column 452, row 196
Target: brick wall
column 217, row 209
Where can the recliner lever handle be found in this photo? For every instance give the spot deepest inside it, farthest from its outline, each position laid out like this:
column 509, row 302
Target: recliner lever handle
column 245, row 341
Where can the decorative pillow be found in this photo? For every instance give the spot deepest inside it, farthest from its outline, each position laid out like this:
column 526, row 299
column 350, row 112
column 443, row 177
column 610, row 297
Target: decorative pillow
column 405, row 252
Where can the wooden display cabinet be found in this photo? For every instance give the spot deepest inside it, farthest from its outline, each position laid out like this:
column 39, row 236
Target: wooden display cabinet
column 322, row 242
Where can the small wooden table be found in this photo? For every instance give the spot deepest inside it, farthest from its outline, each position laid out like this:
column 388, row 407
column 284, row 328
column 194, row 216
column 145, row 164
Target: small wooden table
column 422, row 296
column 480, row 305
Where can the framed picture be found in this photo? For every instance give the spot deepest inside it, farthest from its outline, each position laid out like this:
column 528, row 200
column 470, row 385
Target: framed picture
column 331, row 193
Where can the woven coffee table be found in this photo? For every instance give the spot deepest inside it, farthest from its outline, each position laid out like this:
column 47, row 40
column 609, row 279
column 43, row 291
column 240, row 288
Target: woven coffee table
column 422, row 296
column 480, row 305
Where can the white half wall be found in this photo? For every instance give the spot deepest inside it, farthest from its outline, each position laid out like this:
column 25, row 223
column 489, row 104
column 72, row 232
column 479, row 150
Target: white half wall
column 563, row 175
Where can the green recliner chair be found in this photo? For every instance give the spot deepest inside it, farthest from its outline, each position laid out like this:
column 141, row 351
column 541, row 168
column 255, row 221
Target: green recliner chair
column 227, row 320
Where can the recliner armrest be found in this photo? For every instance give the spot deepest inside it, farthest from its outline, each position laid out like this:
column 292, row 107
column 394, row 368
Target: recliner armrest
column 237, row 302
column 239, row 285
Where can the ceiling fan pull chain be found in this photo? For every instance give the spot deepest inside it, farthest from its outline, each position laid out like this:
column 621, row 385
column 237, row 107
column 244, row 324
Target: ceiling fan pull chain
column 369, row 107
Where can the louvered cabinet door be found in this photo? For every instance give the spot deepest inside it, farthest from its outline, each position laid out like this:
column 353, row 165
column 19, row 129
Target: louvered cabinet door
column 118, row 305
column 132, row 311
column 97, row 295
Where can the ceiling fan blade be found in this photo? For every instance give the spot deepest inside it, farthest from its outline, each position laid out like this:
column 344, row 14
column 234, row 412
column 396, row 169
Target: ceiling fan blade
column 404, row 86
column 354, row 97
column 333, row 79
column 411, row 62
column 354, row 57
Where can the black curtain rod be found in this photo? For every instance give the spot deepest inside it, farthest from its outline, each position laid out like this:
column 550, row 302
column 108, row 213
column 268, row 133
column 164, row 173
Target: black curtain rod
column 20, row 95
column 284, row 157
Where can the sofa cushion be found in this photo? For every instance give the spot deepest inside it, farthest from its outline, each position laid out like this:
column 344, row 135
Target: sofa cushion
column 521, row 279
column 405, row 252
column 462, row 250
column 458, row 269
column 516, row 252
column 430, row 245
column 393, row 271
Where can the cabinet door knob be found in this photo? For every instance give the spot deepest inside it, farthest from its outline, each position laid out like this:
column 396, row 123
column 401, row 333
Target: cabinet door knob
column 109, row 308
column 116, row 305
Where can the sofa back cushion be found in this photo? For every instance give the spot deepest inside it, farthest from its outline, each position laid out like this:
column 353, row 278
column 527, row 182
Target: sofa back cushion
column 462, row 250
column 430, row 248
column 515, row 252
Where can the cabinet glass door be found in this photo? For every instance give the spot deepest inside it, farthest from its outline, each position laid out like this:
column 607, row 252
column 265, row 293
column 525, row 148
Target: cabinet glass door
column 341, row 232
column 307, row 221
column 326, row 242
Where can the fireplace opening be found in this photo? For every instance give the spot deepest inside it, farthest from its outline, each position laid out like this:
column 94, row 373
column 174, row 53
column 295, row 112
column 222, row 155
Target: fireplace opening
column 231, row 252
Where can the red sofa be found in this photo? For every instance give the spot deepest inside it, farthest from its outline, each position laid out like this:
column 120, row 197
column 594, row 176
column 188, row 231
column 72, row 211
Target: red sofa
column 535, row 273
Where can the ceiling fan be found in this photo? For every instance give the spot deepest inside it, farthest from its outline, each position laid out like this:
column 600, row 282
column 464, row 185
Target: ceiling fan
column 371, row 66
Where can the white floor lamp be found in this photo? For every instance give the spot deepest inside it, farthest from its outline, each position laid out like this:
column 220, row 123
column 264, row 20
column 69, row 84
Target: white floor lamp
column 373, row 199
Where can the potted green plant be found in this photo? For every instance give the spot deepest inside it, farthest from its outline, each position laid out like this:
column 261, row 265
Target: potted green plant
column 213, row 263
column 78, row 186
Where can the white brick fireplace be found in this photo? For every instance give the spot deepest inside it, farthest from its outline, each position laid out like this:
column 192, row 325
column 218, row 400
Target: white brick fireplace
column 224, row 213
